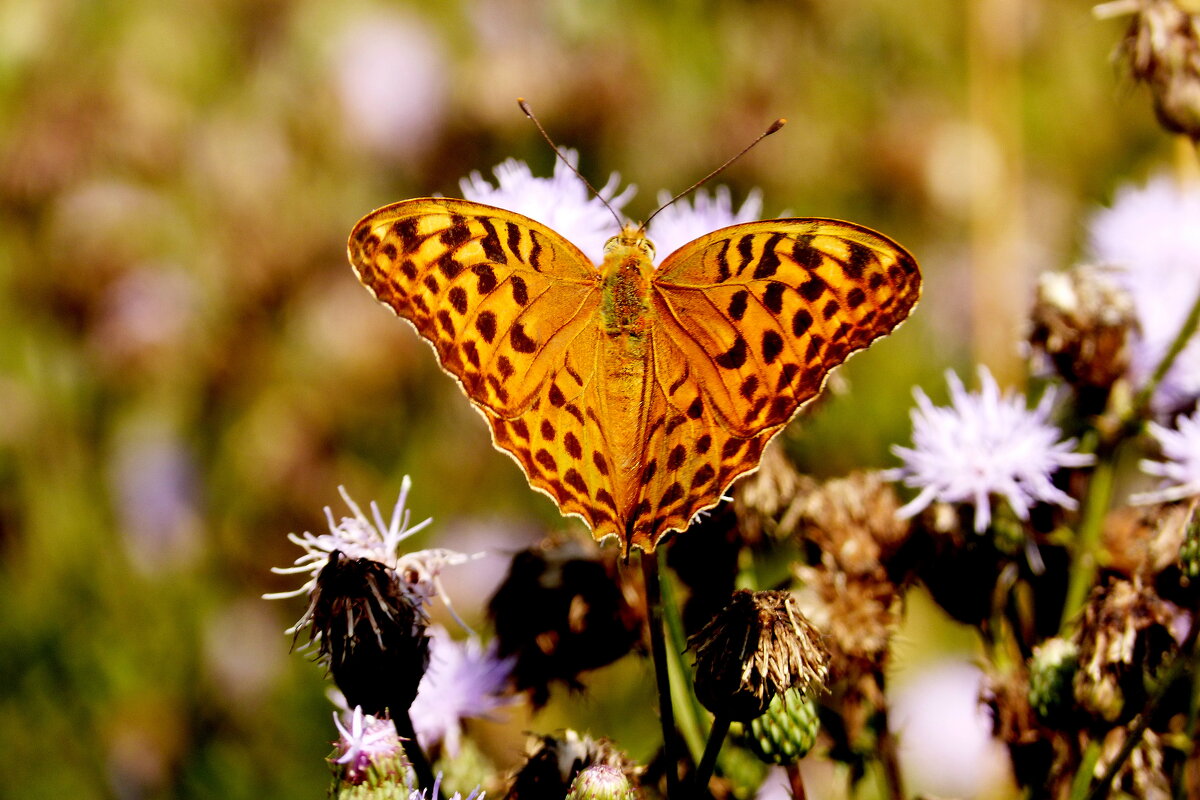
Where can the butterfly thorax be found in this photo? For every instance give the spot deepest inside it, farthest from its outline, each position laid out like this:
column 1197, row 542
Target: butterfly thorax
column 626, row 272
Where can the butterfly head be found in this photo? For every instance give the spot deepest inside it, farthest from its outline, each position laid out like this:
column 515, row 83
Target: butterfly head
column 632, row 237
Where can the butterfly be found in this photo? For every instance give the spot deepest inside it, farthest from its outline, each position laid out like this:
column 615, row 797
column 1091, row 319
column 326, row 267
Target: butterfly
column 633, row 396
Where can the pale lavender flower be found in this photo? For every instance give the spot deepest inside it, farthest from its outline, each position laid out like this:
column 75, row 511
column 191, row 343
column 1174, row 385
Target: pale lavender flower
column 1151, row 236
column 562, row 202
column 984, row 445
column 1180, row 467
column 463, row 681
column 366, row 741
column 376, row 539
column 691, row 218
column 390, row 72
column 415, row 794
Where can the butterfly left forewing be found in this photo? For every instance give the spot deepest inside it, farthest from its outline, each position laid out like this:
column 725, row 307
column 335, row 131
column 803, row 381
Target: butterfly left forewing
column 510, row 308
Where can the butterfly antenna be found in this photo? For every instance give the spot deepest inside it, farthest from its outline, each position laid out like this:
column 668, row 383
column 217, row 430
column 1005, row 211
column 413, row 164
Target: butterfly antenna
column 529, row 113
column 776, row 125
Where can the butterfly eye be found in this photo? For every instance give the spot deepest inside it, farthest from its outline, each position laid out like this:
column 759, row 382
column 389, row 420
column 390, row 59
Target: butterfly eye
column 647, row 247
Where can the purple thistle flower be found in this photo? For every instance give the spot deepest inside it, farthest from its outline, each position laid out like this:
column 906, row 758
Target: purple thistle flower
column 463, row 681
column 984, row 445
column 1180, row 467
column 1152, row 239
column 366, row 742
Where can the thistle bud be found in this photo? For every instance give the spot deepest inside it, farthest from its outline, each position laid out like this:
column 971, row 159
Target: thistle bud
column 554, row 763
column 757, row 647
column 1052, row 670
column 601, row 782
column 787, row 731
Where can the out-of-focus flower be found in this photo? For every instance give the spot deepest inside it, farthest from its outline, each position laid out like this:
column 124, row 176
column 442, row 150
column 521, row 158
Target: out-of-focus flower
column 367, row 744
column 391, row 76
column 153, row 480
column 945, row 734
column 757, row 647
column 564, row 608
column 1162, row 46
column 562, row 202
column 985, row 444
column 691, row 218
column 463, row 681
column 1151, row 237
column 1180, row 467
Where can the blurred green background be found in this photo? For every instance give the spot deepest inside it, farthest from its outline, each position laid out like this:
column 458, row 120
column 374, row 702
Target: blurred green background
column 188, row 368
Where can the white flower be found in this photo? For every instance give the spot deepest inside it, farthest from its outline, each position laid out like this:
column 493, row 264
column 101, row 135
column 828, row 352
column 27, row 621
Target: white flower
column 984, row 445
column 372, row 538
column 1151, row 235
column 463, row 681
column 1180, row 468
column 685, row 220
column 366, row 741
column 562, row 202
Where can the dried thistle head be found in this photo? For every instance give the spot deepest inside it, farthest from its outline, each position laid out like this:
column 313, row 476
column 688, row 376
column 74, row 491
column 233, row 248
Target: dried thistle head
column 1145, row 540
column 1162, row 48
column 1084, row 322
column 1123, row 638
column 852, row 519
column 562, row 609
column 857, row 616
column 762, row 499
column 757, row 647
column 371, row 632
column 553, row 763
column 1142, row 775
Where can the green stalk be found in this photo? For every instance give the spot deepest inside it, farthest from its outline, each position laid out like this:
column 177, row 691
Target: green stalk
column 688, row 710
column 1087, row 543
column 716, row 738
column 658, row 652
column 1141, row 401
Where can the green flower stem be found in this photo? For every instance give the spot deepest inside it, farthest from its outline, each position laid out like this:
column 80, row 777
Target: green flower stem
column 1087, row 765
column 416, row 756
column 1141, row 401
column 716, row 738
column 658, row 652
column 1087, row 543
column 688, row 710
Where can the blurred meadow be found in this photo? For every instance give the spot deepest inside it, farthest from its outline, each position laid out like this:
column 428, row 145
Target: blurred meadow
column 189, row 368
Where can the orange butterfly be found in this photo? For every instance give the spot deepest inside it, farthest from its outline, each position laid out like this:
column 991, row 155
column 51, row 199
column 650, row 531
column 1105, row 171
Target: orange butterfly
column 633, row 396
